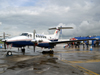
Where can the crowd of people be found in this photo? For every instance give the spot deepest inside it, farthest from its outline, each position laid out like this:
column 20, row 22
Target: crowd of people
column 85, row 44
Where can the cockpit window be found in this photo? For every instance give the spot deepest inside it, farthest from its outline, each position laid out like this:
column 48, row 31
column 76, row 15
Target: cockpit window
column 24, row 34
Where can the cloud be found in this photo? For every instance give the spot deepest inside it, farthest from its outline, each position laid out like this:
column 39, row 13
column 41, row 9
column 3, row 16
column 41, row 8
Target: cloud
column 0, row 23
column 85, row 28
column 26, row 15
column 90, row 27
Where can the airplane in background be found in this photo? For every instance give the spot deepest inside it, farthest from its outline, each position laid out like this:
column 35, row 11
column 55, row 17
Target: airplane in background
column 40, row 40
column 3, row 37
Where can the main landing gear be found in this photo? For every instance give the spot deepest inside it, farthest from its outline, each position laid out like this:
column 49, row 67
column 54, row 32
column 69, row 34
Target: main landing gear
column 23, row 50
column 48, row 52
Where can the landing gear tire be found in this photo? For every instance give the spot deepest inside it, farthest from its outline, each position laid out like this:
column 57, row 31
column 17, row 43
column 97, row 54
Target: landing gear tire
column 9, row 53
column 48, row 52
column 23, row 51
column 51, row 52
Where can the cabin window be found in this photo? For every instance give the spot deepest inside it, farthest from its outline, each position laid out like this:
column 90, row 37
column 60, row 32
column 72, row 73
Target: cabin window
column 40, row 36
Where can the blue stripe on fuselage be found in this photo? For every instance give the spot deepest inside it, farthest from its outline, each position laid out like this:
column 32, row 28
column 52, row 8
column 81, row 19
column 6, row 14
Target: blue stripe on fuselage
column 46, row 45
column 28, row 43
column 21, row 43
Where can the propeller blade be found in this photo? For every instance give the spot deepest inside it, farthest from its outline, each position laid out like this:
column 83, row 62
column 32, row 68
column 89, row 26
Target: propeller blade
column 5, row 40
column 34, row 47
column 34, row 34
column 34, row 38
column 3, row 35
column 5, row 45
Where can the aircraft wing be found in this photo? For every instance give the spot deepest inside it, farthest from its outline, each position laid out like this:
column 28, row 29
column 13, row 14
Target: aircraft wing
column 59, row 42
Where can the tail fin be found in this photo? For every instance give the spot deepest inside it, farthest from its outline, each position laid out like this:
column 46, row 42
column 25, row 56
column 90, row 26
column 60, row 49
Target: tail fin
column 56, row 34
column 57, row 31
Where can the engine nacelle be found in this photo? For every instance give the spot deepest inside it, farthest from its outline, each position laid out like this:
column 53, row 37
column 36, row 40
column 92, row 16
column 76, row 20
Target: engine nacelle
column 36, row 41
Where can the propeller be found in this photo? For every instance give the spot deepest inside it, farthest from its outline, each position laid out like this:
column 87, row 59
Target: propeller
column 35, row 41
column 4, row 40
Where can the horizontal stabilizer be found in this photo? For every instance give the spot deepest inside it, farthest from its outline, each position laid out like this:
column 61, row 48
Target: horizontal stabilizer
column 60, row 28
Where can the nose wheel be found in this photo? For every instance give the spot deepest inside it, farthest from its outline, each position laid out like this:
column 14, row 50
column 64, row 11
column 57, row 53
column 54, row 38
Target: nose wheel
column 9, row 53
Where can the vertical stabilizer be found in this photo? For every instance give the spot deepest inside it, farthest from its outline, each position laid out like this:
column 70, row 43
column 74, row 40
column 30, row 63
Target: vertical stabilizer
column 56, row 34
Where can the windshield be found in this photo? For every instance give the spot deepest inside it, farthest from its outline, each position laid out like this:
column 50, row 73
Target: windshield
column 24, row 34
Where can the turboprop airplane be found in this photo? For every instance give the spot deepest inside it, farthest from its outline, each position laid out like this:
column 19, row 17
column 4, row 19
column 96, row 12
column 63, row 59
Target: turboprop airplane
column 40, row 40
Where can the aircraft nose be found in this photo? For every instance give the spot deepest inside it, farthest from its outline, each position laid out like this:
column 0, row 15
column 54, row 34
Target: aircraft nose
column 3, row 40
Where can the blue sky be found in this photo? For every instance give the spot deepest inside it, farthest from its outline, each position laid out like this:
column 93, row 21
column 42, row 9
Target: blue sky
column 21, row 3
column 16, row 3
column 17, row 16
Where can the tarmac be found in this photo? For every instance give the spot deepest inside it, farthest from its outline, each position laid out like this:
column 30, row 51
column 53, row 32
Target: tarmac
column 64, row 61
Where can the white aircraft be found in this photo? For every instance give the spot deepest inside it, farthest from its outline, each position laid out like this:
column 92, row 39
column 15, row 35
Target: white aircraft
column 34, row 39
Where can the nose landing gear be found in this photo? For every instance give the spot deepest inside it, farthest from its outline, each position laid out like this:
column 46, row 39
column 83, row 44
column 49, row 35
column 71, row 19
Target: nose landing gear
column 9, row 53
